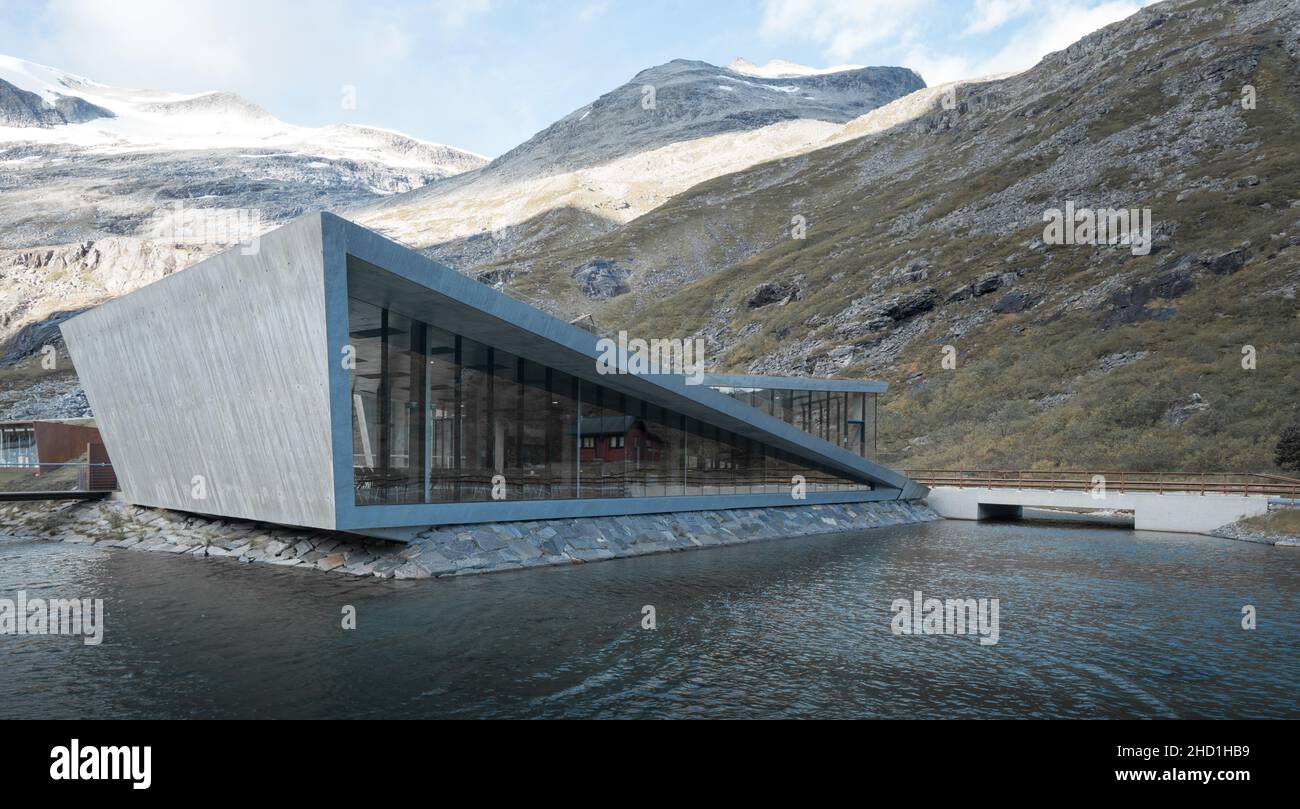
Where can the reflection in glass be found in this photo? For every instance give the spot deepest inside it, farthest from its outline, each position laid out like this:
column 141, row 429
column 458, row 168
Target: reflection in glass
column 437, row 417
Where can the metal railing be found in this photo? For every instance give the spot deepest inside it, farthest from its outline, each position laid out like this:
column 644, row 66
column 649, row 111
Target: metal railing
column 1244, row 483
column 48, row 481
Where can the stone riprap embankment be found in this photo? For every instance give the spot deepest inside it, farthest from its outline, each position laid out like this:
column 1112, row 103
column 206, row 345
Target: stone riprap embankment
column 445, row 550
column 1248, row 533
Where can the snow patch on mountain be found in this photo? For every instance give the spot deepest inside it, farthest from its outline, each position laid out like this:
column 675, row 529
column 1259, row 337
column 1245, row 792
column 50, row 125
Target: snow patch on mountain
column 781, row 69
column 156, row 121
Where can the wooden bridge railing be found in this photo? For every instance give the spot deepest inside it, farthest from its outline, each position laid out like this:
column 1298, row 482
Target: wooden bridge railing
column 1115, row 481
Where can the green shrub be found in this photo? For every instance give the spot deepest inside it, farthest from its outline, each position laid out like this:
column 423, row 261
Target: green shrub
column 1287, row 454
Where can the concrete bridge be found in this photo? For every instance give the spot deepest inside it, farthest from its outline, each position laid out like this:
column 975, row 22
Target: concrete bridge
column 1178, row 502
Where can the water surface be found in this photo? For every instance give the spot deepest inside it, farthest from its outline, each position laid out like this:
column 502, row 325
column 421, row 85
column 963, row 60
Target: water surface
column 1094, row 622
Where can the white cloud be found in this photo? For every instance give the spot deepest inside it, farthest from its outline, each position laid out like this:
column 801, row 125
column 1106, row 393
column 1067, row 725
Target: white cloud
column 938, row 68
column 253, row 45
column 456, row 13
column 903, row 31
column 1053, row 27
column 991, row 14
column 593, row 10
column 843, row 27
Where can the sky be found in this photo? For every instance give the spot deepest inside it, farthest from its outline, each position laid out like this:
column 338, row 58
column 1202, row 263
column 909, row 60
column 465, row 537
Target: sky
column 485, row 75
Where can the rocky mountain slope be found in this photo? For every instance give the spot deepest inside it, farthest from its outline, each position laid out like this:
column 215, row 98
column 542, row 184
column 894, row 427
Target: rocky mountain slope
column 629, row 151
column 925, row 243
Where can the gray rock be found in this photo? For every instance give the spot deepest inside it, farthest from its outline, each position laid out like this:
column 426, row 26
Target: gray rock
column 1013, row 302
column 20, row 108
column 524, row 550
column 488, row 541
column 1227, row 263
column 909, row 304
column 601, row 279
column 986, row 283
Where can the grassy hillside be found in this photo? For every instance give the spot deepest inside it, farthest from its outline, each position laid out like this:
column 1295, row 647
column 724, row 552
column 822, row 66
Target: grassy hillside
column 930, row 235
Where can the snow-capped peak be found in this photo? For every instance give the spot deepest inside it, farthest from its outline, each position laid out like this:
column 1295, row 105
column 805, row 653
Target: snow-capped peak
column 51, row 82
column 115, row 119
column 781, row 69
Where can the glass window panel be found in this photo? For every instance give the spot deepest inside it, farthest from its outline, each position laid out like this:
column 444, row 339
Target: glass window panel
column 437, row 415
column 854, row 424
column 665, row 452
column 870, row 427
column 402, row 401
column 507, row 422
column 441, row 409
column 364, row 321
column 781, row 405
column 18, row 446
column 535, row 470
column 476, row 434
column 562, row 434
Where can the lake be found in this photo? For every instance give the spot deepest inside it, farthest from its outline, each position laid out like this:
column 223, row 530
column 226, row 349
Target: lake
column 1093, row 622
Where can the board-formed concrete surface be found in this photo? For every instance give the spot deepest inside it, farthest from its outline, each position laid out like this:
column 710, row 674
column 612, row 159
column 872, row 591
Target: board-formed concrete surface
column 209, row 386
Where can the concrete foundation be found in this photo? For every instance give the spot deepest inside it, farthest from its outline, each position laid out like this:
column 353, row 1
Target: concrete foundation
column 445, row 550
column 1179, row 513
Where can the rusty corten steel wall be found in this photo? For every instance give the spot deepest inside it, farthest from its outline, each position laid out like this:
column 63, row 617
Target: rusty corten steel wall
column 100, row 478
column 59, row 443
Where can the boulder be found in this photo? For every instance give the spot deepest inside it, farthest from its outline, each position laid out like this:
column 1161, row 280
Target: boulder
column 986, row 283
column 909, row 304
column 602, row 279
column 770, row 293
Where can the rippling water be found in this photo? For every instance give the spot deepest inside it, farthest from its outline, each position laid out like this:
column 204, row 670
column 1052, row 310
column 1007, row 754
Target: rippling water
column 1094, row 623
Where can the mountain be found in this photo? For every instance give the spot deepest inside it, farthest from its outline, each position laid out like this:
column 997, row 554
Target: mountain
column 926, row 241
column 629, row 151
column 100, row 186
column 80, row 160
column 925, row 259
column 104, row 189
column 20, row 108
column 685, row 100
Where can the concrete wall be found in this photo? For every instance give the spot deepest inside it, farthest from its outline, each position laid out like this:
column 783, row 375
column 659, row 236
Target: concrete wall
column 1179, row 513
column 219, row 371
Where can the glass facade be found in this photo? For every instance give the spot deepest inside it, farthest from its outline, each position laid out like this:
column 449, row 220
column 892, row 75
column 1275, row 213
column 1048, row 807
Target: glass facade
column 846, row 419
column 437, row 416
column 17, row 446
